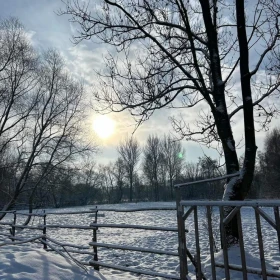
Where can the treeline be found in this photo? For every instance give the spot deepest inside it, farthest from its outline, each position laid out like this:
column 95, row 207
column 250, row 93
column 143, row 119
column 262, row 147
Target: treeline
column 267, row 175
column 149, row 173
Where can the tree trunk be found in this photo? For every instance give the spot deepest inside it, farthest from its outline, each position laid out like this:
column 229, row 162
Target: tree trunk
column 130, row 187
column 238, row 188
column 120, row 193
column 171, row 186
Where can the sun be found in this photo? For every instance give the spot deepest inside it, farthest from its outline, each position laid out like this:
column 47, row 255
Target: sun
column 103, row 126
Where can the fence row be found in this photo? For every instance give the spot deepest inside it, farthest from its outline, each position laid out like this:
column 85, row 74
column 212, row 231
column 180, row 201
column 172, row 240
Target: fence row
column 187, row 215
column 94, row 226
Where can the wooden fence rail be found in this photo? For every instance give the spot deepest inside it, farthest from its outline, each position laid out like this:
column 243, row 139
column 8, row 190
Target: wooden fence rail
column 97, row 245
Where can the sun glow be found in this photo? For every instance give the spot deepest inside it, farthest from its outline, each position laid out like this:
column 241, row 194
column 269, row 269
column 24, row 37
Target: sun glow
column 103, row 126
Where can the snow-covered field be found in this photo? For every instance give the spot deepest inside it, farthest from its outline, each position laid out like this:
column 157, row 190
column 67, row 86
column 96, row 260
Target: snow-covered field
column 147, row 239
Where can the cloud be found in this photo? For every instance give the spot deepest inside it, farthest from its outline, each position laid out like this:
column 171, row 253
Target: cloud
column 30, row 34
column 45, row 29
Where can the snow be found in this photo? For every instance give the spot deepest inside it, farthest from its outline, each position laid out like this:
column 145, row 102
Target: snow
column 207, row 180
column 27, row 262
column 229, row 188
column 235, row 260
column 30, row 260
column 131, row 248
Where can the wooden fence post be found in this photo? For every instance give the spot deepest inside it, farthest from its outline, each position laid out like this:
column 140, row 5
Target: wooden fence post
column 94, row 239
column 224, row 243
column 277, row 222
column 45, row 230
column 211, row 241
column 182, row 249
column 241, row 245
column 198, row 259
column 260, row 240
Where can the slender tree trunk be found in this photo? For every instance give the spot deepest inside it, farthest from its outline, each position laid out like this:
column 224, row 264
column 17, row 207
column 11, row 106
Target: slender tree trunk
column 130, row 187
column 171, row 185
column 54, row 198
column 120, row 193
column 250, row 142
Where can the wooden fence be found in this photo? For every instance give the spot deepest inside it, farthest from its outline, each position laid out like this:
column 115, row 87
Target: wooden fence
column 46, row 240
column 185, row 209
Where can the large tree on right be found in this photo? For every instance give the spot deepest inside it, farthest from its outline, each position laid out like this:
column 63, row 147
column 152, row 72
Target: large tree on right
column 216, row 55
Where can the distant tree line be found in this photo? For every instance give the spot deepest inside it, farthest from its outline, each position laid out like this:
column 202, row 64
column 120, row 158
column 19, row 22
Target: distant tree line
column 267, row 178
column 148, row 173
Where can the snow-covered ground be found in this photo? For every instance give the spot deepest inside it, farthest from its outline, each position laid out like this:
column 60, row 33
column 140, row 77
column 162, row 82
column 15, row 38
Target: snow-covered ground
column 140, row 238
column 25, row 262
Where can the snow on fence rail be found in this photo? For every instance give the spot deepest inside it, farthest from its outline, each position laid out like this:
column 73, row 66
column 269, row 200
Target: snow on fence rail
column 136, row 227
column 206, row 180
column 135, row 209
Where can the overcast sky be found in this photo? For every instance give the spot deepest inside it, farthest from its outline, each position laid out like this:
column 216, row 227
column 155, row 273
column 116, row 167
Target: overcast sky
column 47, row 29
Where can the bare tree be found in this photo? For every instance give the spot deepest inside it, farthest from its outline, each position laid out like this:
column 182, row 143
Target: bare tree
column 129, row 151
column 87, row 181
column 91, row 179
column 191, row 171
column 153, row 160
column 184, row 53
column 18, row 64
column 209, row 168
column 173, row 155
column 53, row 189
column 41, row 123
column 119, row 174
column 107, row 182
